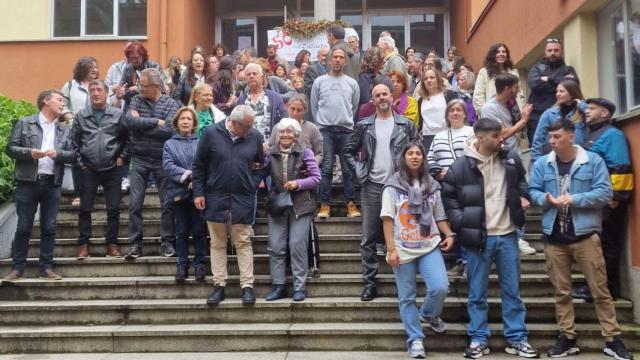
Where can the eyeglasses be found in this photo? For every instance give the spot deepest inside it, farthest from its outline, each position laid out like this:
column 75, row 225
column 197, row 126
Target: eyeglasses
column 552, row 40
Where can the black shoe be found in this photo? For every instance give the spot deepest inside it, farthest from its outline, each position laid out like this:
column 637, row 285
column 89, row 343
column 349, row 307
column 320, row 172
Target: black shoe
column 277, row 292
column 167, row 250
column 248, row 298
column 134, row 252
column 582, row 293
column 216, row 296
column 369, row 293
column 181, row 274
column 316, row 273
column 563, row 347
column 616, row 349
column 201, row 273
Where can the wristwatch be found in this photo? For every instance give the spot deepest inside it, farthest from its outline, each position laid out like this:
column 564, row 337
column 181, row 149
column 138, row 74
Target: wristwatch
column 451, row 235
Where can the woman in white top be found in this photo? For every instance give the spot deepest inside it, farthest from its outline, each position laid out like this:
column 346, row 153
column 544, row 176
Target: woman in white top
column 497, row 61
column 413, row 219
column 432, row 105
column 448, row 145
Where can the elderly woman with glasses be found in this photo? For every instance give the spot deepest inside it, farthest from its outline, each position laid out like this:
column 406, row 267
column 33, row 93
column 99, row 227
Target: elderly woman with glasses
column 294, row 173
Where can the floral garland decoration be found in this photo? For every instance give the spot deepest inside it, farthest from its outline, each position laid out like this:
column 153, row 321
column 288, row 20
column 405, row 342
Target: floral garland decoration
column 301, row 29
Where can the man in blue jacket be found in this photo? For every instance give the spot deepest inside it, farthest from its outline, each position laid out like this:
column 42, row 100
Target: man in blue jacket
column 226, row 176
column 572, row 186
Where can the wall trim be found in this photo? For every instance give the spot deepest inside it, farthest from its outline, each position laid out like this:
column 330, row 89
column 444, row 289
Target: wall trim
column 480, row 19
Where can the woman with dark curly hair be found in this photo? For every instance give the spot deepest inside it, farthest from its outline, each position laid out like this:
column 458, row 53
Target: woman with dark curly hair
column 281, row 72
column 76, row 91
column 497, row 61
column 370, row 67
column 197, row 72
column 303, row 56
column 223, row 85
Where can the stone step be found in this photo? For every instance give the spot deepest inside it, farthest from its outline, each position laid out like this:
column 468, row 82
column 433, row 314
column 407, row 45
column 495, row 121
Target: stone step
column 164, row 287
column 329, row 243
column 331, row 263
column 196, row 311
column 333, row 225
column 339, row 336
column 69, row 228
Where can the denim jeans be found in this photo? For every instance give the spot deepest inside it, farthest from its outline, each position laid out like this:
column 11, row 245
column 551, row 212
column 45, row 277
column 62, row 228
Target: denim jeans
column 334, row 144
column 110, row 181
column 371, row 195
column 504, row 251
column 28, row 196
column 189, row 222
column 461, row 253
column 141, row 169
column 431, row 267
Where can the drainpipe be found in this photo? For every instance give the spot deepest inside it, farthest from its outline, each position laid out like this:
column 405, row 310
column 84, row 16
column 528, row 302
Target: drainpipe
column 163, row 31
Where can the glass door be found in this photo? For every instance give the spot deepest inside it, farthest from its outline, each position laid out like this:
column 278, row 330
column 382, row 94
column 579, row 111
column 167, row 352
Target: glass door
column 238, row 33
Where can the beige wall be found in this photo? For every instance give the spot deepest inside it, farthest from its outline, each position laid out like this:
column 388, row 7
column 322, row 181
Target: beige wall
column 25, row 20
column 580, row 51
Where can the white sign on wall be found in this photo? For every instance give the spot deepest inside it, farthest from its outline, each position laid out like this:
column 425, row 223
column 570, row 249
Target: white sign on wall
column 288, row 47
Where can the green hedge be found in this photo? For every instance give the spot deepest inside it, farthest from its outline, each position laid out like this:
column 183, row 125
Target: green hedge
column 10, row 112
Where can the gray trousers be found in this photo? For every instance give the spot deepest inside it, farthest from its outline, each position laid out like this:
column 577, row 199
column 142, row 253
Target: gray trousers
column 140, row 171
column 285, row 230
column 372, row 234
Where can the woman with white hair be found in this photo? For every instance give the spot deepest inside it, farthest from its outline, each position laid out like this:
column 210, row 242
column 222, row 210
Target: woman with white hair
column 295, row 175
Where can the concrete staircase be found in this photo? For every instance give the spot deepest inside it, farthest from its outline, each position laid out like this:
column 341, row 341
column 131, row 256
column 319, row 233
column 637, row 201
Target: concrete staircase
column 109, row 305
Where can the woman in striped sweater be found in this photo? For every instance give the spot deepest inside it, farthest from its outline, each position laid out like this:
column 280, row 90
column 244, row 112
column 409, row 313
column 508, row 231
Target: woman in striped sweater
column 448, row 144
column 446, row 147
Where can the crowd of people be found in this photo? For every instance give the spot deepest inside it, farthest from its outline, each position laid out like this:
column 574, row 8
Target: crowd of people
column 433, row 147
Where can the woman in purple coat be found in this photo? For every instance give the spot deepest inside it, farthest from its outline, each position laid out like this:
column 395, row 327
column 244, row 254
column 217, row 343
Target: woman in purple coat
column 293, row 168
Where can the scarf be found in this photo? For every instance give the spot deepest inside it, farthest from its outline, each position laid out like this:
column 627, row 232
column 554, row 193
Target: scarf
column 285, row 163
column 402, row 104
column 418, row 199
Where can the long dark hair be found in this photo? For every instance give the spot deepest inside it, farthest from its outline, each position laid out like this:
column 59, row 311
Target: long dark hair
column 191, row 73
column 225, row 74
column 423, row 173
column 490, row 62
column 300, row 58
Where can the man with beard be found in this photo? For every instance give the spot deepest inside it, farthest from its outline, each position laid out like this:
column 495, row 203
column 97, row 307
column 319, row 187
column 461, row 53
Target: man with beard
column 380, row 139
column 543, row 79
column 335, row 38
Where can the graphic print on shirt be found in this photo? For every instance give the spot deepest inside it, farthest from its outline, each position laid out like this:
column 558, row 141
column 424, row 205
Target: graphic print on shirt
column 409, row 228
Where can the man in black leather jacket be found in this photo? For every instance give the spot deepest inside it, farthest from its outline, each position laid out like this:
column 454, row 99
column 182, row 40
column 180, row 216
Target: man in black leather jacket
column 99, row 137
column 41, row 147
column 379, row 140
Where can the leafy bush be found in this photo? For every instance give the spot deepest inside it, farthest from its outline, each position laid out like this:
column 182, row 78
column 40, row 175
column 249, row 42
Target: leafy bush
column 10, row 112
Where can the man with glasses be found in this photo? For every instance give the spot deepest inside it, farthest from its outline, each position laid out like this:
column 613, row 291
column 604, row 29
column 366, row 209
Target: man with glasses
column 224, row 189
column 149, row 122
column 543, row 79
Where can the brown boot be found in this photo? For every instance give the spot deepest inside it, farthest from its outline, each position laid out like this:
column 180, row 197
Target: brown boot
column 13, row 275
column 112, row 251
column 352, row 210
column 324, row 211
column 83, row 252
column 49, row 275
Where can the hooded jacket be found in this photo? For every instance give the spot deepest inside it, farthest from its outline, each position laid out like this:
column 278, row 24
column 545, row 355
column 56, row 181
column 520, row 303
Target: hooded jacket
column 352, row 62
column 474, row 190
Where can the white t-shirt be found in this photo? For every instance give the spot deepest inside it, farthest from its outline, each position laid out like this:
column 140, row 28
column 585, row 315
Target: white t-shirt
column 46, row 165
column 432, row 110
column 409, row 244
column 382, row 166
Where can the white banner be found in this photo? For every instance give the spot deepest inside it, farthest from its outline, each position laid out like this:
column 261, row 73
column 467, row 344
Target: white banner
column 288, row 47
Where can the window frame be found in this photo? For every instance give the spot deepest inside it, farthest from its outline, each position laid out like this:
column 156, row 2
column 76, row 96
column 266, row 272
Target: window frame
column 83, row 35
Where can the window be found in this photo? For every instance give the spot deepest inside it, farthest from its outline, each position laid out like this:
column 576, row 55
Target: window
column 89, row 18
column 619, row 59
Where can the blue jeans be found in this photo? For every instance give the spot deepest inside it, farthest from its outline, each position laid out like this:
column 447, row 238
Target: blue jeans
column 189, row 222
column 28, row 196
column 334, row 144
column 461, row 253
column 434, row 273
column 504, row 251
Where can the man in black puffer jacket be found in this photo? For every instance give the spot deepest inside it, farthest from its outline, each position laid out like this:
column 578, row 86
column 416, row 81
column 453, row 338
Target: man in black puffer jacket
column 485, row 193
column 149, row 122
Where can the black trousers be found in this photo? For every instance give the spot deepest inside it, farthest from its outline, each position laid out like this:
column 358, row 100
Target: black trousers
column 613, row 227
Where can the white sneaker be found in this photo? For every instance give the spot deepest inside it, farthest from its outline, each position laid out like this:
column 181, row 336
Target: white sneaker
column 525, row 248
column 124, row 186
column 416, row 350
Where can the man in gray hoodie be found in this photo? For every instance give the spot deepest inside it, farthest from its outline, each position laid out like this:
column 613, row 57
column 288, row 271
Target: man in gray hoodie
column 335, row 38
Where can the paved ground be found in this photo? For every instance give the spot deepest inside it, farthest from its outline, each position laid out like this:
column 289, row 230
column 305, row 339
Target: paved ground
column 267, row 356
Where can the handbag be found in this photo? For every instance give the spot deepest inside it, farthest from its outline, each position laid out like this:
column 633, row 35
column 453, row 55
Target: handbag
column 279, row 203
